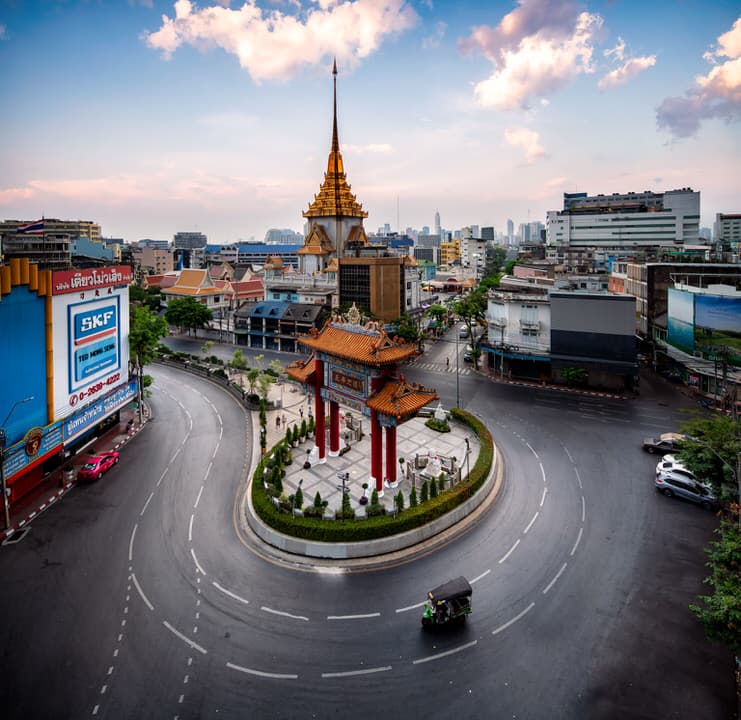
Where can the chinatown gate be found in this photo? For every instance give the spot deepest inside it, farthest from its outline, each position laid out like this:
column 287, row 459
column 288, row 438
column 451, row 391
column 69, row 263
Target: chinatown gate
column 356, row 366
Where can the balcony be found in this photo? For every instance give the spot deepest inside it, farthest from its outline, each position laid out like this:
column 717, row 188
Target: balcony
column 530, row 324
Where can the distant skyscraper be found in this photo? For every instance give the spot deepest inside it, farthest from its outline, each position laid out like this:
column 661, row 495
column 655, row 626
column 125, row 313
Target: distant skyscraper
column 487, row 233
column 510, row 230
column 189, row 240
column 437, row 222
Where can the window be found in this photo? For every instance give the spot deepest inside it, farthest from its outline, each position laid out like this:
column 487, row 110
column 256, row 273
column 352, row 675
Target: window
column 529, row 332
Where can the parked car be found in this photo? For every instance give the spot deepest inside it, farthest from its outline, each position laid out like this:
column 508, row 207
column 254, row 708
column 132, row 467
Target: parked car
column 670, row 462
column 467, row 356
column 94, row 468
column 463, row 331
column 665, row 443
column 673, row 483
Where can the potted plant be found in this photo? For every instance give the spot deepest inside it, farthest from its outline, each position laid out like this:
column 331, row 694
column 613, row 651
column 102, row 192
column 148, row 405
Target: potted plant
column 364, row 496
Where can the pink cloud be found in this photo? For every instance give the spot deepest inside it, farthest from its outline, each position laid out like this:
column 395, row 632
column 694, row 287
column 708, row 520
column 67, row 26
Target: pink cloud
column 276, row 45
column 526, row 139
column 630, row 68
column 715, row 95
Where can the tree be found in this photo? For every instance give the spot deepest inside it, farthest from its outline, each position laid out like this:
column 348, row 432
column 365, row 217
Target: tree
column 263, row 386
column 295, row 434
column 238, row 361
column 399, row 501
column 276, row 479
column 252, row 375
column 425, row 492
column 206, row 348
column 303, row 429
column 289, row 436
column 149, row 298
column 720, row 612
column 413, row 498
column 471, row 309
column 433, row 488
column 406, row 328
column 145, row 331
column 188, row 313
column 298, row 500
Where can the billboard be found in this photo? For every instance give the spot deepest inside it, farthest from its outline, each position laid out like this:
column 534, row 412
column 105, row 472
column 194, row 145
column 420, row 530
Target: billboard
column 91, row 336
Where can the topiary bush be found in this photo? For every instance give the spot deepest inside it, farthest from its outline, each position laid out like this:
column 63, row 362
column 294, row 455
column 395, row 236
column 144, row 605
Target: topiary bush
column 438, row 425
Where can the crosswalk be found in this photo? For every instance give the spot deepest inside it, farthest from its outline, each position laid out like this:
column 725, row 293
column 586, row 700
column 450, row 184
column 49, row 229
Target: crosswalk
column 438, row 367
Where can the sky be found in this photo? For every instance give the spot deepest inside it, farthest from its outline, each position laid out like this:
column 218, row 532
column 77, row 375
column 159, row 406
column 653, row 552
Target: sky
column 156, row 117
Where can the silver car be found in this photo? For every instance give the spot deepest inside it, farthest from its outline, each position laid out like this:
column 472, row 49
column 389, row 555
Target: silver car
column 681, row 483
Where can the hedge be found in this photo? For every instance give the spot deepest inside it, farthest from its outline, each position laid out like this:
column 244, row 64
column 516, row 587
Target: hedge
column 372, row 528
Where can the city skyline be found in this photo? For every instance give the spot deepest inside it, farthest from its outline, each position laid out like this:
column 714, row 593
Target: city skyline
column 152, row 117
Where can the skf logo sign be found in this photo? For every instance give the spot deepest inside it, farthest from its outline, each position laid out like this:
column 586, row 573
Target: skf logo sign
column 101, row 321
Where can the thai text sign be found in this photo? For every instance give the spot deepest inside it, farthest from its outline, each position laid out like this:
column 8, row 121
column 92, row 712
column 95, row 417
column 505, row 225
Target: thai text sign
column 68, row 281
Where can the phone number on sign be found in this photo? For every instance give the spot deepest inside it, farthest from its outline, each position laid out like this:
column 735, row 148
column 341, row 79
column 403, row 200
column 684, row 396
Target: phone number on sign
column 94, row 389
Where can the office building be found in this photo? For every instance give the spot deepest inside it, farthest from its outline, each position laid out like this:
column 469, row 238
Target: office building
column 626, row 221
column 189, row 240
column 728, row 231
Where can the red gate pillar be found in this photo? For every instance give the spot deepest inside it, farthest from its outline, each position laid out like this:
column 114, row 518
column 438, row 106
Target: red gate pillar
column 334, row 429
column 376, row 453
column 391, row 455
column 320, row 423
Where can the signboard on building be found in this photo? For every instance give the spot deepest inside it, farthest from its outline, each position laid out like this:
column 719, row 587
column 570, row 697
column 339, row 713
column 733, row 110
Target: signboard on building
column 91, row 336
column 84, row 419
column 37, row 445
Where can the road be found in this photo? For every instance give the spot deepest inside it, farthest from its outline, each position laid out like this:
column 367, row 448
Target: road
column 141, row 595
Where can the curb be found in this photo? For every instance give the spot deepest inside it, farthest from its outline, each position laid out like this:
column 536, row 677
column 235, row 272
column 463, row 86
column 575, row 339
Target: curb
column 8, row 533
column 373, row 552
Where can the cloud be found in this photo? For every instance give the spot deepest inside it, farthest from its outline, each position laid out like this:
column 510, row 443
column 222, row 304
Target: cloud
column 273, row 45
column 433, row 41
column 715, row 95
column 535, row 50
column 627, row 70
column 527, row 139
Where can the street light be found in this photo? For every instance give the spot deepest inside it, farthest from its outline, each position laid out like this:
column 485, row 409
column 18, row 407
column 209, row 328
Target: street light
column 468, row 462
column 457, row 374
column 6, row 504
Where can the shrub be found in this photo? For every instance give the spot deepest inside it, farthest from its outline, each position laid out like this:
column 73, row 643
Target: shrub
column 433, row 488
column 277, row 482
column 299, row 498
column 302, row 432
column 318, row 501
column 295, row 435
column 413, row 498
column 438, row 425
column 289, row 437
column 424, row 494
column 312, row 425
column 441, row 482
column 399, row 501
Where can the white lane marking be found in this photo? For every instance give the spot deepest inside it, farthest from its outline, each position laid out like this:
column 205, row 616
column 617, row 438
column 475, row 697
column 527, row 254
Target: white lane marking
column 110, row 670
column 578, row 478
column 568, row 454
column 284, row 614
column 542, row 471
column 514, row 619
column 578, row 540
column 131, row 542
column 216, row 449
column 95, row 709
column 531, row 449
column 190, row 529
column 141, row 592
column 410, row 607
column 208, row 470
column 177, row 452
column 184, row 638
column 260, row 673
column 103, row 689
column 162, row 477
column 480, row 577
column 444, row 654
column 349, row 673
column 195, row 560
column 542, row 500
column 198, row 499
column 553, row 582
column 530, row 524
column 221, row 432
column 353, row 617
column 510, row 551
column 146, row 504
column 583, row 508
column 229, row 593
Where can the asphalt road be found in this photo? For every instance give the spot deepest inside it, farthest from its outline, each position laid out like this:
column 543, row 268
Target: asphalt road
column 141, row 596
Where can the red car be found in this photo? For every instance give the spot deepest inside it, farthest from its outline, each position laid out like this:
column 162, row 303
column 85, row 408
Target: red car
column 94, row 468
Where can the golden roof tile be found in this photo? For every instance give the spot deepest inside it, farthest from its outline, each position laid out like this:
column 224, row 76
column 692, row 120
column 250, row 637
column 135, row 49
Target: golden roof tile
column 400, row 399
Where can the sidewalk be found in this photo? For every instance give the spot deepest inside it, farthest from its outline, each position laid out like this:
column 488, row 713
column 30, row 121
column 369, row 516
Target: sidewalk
column 56, row 485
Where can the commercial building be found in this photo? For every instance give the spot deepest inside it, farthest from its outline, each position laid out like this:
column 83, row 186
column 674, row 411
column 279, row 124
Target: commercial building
column 189, row 240
column 64, row 359
column 450, row 252
column 626, row 221
column 728, row 231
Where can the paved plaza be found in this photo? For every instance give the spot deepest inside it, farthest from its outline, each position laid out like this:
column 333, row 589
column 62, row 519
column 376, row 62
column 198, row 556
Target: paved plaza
column 414, row 438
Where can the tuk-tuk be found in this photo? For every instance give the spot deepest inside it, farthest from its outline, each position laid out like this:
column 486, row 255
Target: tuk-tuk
column 449, row 602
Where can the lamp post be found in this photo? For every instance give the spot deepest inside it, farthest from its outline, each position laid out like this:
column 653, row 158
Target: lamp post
column 6, row 504
column 468, row 462
column 457, row 374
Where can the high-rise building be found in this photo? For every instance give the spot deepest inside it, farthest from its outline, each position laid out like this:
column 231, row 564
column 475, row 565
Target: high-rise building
column 283, row 236
column 510, row 230
column 189, row 240
column 488, row 234
column 728, row 230
column 626, row 221
column 437, row 223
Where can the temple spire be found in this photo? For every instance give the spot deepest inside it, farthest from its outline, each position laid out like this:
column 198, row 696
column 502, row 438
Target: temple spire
column 335, row 138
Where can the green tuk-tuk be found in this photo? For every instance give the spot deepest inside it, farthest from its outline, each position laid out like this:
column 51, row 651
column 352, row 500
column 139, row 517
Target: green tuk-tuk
column 449, row 602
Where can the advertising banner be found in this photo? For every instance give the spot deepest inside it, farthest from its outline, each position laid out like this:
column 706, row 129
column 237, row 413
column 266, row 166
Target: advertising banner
column 70, row 281
column 91, row 346
column 38, row 444
column 84, row 419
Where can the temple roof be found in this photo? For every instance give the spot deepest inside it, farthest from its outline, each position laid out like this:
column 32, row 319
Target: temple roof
column 335, row 198
column 400, row 399
column 353, row 342
column 302, row 370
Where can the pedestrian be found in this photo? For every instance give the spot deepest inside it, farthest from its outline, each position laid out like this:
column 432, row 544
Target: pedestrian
column 301, row 412
column 277, row 421
column 284, row 419
column 447, row 362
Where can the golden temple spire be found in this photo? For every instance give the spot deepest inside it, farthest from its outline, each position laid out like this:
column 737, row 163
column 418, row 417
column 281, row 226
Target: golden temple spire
column 335, row 199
